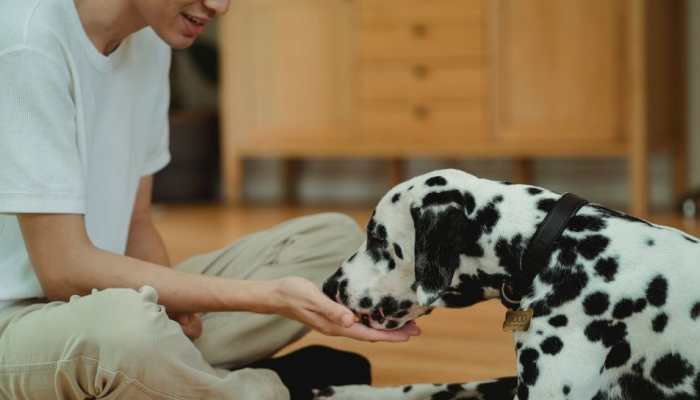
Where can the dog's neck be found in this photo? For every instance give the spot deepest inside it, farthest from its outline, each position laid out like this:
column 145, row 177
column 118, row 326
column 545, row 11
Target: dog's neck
column 508, row 216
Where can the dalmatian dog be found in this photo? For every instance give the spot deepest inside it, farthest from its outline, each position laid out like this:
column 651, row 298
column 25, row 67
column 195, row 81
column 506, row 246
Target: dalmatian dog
column 616, row 308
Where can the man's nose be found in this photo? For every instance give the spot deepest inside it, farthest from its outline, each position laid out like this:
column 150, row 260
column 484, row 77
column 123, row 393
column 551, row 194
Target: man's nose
column 218, row 6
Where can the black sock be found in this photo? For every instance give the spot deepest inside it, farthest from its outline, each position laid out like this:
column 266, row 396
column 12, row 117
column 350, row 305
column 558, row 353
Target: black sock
column 316, row 367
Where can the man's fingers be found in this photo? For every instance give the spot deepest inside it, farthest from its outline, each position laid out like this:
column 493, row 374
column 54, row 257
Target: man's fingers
column 334, row 311
column 361, row 332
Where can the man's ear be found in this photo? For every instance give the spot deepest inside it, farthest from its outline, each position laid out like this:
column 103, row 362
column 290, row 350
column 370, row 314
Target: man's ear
column 439, row 242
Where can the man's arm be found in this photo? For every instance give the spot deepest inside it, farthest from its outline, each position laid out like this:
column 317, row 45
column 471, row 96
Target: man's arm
column 145, row 243
column 67, row 263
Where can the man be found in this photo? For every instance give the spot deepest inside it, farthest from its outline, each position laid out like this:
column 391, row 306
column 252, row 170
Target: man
column 88, row 303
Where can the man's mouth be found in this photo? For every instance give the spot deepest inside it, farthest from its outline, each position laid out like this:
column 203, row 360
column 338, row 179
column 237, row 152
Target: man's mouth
column 195, row 20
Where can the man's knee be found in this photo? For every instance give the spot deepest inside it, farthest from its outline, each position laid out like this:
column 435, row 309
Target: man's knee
column 121, row 325
column 343, row 229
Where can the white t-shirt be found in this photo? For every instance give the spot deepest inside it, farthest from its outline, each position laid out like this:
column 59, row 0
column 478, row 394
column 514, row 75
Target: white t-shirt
column 77, row 129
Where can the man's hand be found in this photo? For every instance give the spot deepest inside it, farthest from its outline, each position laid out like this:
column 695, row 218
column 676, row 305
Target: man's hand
column 299, row 299
column 190, row 323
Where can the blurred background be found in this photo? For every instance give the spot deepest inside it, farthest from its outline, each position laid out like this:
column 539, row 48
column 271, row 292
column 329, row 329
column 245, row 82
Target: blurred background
column 290, row 107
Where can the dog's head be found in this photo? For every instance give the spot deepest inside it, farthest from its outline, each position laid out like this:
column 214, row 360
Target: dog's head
column 421, row 233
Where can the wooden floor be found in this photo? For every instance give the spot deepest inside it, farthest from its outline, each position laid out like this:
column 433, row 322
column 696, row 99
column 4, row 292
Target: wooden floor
column 456, row 345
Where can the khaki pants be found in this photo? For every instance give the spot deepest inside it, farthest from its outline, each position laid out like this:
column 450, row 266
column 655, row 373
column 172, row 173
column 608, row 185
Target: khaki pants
column 120, row 344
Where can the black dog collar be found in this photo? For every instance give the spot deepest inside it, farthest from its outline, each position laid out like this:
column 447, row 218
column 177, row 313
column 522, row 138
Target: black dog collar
column 536, row 254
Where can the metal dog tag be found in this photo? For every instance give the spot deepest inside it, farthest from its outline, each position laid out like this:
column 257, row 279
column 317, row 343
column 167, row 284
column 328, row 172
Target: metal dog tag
column 518, row 320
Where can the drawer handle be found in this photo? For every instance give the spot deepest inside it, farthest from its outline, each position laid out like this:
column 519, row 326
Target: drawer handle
column 421, row 112
column 420, row 71
column 419, row 30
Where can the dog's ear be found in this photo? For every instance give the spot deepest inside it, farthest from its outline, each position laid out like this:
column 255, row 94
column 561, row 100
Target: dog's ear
column 441, row 237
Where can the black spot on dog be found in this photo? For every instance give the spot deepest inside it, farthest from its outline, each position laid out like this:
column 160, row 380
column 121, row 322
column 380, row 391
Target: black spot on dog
column 540, row 309
column 365, row 302
column 397, row 250
column 558, row 321
column 470, row 290
column 436, row 181
column 671, row 370
column 391, row 324
column 534, row 191
column 695, row 311
column 488, row 216
column 546, row 205
column 443, row 198
column 637, row 387
column 395, row 198
column 405, row 305
column 650, row 242
column 499, row 389
column 657, row 291
column 566, row 390
column 342, row 292
column 618, row 355
column 640, row 305
column 410, row 187
column 659, row 323
column 518, row 345
column 441, row 239
column 449, row 393
column 400, row 314
column 596, row 303
column 389, row 305
column 407, row 389
column 529, row 372
column 607, row 268
column 523, row 392
column 567, row 289
column 509, row 253
column 552, row 345
column 469, row 202
column 623, row 309
column 381, row 232
column 580, row 223
column 377, row 316
column 610, row 333
column 591, row 246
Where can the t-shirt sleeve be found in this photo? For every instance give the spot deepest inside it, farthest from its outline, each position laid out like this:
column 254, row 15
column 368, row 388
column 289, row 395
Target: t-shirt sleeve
column 158, row 150
column 41, row 169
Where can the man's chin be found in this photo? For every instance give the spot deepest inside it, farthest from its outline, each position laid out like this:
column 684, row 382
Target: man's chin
column 181, row 43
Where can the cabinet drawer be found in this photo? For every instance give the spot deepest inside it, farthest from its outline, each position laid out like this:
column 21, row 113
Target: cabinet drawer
column 420, row 40
column 382, row 11
column 421, row 122
column 420, row 81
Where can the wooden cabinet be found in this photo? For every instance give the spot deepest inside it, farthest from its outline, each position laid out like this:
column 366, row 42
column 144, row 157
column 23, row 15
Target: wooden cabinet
column 454, row 78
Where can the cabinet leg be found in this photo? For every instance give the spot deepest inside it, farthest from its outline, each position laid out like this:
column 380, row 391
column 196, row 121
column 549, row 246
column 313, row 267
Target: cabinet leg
column 639, row 183
column 291, row 170
column 397, row 173
column 523, row 170
column 232, row 179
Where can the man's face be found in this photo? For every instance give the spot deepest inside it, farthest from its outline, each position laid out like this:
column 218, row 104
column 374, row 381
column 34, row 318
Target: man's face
column 179, row 22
